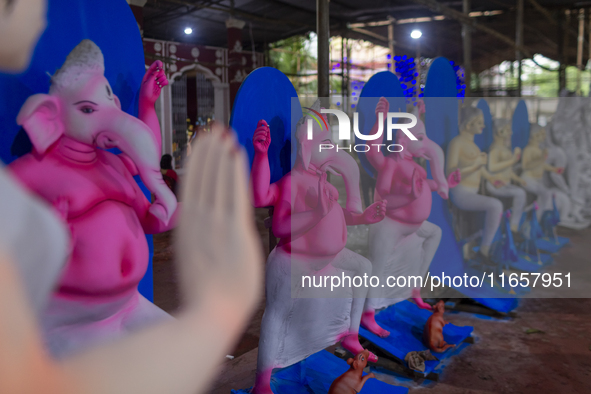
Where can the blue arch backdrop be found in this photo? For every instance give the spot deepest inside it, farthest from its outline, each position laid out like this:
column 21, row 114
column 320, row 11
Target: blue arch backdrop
column 485, row 140
column 112, row 26
column 441, row 123
column 383, row 84
column 268, row 94
column 520, row 126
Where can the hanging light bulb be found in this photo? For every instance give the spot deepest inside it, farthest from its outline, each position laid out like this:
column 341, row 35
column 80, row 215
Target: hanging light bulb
column 416, row 34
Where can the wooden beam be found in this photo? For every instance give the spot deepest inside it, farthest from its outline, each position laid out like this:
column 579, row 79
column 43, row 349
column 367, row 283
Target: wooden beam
column 377, row 36
column 424, row 19
column 160, row 18
column 544, row 12
column 370, row 34
column 243, row 14
column 294, row 7
column 435, row 6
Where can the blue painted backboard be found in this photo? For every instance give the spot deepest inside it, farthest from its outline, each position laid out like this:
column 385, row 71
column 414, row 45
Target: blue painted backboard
column 112, row 26
column 520, row 126
column 267, row 94
column 441, row 123
column 485, row 140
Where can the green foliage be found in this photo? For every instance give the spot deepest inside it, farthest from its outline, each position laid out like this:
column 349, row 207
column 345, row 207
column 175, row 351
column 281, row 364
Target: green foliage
column 542, row 82
column 546, row 82
column 293, row 57
column 336, row 83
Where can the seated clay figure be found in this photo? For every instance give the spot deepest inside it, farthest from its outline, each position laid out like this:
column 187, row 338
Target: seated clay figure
column 557, row 157
column 404, row 243
column 584, row 177
column 311, row 225
column 534, row 166
column 352, row 381
column 220, row 285
column 565, row 134
column 94, row 191
column 433, row 332
column 500, row 164
column 568, row 131
column 464, row 154
column 220, row 282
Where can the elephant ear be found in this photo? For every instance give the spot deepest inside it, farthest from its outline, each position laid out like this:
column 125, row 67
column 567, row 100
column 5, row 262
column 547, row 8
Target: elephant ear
column 40, row 117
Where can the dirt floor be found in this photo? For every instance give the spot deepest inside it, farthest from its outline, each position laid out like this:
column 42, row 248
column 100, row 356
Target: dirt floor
column 505, row 358
column 166, row 292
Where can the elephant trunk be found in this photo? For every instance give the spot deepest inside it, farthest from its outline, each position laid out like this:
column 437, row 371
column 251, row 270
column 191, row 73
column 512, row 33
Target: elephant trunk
column 134, row 138
column 434, row 154
column 345, row 165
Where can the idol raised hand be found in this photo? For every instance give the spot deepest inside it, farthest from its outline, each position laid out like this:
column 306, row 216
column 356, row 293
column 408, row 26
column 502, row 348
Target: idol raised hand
column 152, row 83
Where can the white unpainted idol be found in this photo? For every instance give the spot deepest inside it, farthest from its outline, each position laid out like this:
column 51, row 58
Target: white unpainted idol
column 294, row 327
column 399, row 250
column 565, row 142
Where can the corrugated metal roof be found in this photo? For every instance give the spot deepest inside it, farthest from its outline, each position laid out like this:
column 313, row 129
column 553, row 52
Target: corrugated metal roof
column 273, row 20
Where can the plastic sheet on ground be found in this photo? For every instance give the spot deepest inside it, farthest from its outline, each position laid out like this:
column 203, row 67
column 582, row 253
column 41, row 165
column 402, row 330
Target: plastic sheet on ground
column 406, row 322
column 316, row 373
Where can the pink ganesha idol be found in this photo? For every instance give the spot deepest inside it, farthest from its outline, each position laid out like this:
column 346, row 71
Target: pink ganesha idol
column 94, row 191
column 404, row 243
column 300, row 319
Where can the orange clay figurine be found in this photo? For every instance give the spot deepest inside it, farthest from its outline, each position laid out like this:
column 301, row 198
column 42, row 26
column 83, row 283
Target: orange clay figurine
column 352, row 381
column 433, row 332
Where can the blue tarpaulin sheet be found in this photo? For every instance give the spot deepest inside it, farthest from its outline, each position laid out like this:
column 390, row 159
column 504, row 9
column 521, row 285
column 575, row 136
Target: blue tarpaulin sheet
column 316, row 373
column 504, row 305
column 551, row 246
column 406, row 322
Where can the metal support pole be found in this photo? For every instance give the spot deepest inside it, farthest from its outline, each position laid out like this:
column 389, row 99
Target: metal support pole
column 589, row 29
column 561, row 53
column 348, row 74
column 267, row 55
column 298, row 72
column 589, row 50
column 343, row 87
column 519, row 44
column 418, row 68
column 391, row 42
column 467, row 41
column 322, row 30
column 580, row 42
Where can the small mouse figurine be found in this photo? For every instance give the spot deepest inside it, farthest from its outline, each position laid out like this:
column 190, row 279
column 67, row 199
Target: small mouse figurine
column 352, row 381
column 433, row 332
